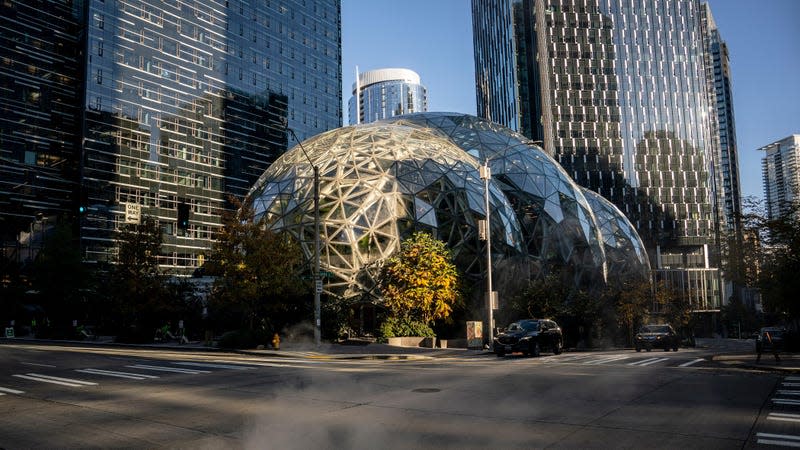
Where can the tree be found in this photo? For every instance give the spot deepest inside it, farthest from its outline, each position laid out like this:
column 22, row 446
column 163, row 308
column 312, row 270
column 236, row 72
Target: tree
column 257, row 273
column 778, row 277
column 60, row 276
column 420, row 282
column 135, row 280
column 631, row 302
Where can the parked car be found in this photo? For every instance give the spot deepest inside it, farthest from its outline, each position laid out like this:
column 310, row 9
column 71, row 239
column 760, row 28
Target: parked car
column 530, row 337
column 657, row 336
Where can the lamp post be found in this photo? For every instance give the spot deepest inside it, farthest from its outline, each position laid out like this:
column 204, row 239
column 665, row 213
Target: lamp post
column 486, row 175
column 317, row 279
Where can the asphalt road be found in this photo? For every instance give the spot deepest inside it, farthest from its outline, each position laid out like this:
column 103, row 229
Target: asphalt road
column 89, row 397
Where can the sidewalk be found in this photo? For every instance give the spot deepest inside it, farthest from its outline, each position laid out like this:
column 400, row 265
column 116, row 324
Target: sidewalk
column 741, row 353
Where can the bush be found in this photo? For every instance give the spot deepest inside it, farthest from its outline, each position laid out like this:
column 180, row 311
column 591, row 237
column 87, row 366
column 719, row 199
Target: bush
column 244, row 338
column 135, row 335
column 398, row 327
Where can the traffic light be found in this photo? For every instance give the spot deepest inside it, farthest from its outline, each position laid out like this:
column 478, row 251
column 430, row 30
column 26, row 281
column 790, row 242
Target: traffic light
column 183, row 216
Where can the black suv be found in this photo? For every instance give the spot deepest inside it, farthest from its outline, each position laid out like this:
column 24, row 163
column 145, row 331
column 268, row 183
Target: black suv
column 530, row 336
column 657, row 336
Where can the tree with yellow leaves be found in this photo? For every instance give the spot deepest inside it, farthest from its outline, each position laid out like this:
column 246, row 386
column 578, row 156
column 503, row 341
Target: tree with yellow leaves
column 420, row 282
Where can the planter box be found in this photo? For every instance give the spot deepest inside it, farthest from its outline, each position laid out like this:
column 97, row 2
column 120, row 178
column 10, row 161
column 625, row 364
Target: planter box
column 412, row 341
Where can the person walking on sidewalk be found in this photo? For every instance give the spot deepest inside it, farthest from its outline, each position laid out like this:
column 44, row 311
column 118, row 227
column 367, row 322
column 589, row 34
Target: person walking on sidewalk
column 770, row 339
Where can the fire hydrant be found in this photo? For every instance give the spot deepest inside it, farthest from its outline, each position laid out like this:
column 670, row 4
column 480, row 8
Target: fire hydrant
column 276, row 342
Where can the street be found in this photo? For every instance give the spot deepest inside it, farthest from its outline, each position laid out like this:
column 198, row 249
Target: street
column 84, row 396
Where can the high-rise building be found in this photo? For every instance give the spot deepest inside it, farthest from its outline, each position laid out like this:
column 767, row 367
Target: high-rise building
column 385, row 93
column 40, row 74
column 726, row 168
column 780, row 168
column 180, row 105
column 617, row 91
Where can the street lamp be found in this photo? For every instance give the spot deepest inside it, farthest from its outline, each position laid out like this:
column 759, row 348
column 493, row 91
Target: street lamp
column 317, row 280
column 486, row 175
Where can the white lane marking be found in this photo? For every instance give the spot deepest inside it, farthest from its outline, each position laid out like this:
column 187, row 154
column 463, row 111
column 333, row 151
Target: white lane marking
column 168, row 369
column 37, row 364
column 788, row 392
column 54, row 380
column 691, row 363
column 786, row 440
column 647, row 362
column 786, row 401
column 112, row 373
column 215, row 366
column 607, row 359
column 10, row 391
column 783, row 417
column 792, row 378
column 575, row 358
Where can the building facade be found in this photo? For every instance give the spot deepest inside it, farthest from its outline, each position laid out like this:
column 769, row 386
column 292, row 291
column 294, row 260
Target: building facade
column 40, row 74
column 780, row 168
column 617, row 91
column 726, row 168
column 385, row 93
column 175, row 106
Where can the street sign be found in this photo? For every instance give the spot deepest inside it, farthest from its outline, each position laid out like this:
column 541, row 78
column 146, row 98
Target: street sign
column 133, row 213
column 318, row 286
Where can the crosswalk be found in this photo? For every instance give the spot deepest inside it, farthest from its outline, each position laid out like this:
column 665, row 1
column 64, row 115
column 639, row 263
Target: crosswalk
column 782, row 425
column 140, row 372
column 623, row 359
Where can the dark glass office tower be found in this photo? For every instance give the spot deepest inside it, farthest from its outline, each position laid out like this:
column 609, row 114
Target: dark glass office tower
column 40, row 74
column 185, row 103
column 718, row 75
column 618, row 93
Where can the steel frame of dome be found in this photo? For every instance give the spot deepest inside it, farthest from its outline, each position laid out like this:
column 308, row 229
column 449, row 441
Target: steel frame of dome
column 625, row 252
column 557, row 222
column 378, row 184
column 382, row 181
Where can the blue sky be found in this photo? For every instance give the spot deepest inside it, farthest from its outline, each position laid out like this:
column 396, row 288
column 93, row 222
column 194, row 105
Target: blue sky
column 434, row 38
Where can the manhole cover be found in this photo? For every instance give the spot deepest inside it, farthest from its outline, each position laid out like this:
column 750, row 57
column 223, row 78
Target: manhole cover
column 426, row 390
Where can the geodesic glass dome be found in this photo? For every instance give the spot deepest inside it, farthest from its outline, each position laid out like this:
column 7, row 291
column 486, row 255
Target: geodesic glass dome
column 625, row 251
column 557, row 222
column 378, row 184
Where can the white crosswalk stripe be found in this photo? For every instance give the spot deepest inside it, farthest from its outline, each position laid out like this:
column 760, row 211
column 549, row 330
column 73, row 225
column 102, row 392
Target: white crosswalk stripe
column 4, row 391
column 786, row 401
column 55, row 380
column 786, row 440
column 692, row 362
column 168, row 369
column 112, row 373
column 215, row 365
column 606, row 359
column 783, row 417
column 647, row 362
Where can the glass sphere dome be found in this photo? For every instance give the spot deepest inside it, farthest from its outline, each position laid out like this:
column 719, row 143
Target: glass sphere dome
column 378, row 183
column 557, row 222
column 625, row 252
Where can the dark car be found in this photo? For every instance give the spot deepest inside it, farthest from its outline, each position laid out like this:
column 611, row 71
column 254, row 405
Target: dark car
column 657, row 336
column 530, row 336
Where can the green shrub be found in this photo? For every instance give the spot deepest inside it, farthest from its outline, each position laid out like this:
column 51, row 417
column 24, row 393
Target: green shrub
column 399, row 327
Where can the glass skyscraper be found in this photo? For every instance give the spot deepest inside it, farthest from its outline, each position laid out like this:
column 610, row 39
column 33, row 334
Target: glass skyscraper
column 618, row 92
column 386, row 93
column 780, row 168
column 718, row 75
column 179, row 105
column 40, row 75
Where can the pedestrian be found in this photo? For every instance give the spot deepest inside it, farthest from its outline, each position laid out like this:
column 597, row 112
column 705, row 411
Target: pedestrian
column 772, row 339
